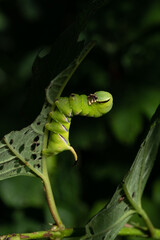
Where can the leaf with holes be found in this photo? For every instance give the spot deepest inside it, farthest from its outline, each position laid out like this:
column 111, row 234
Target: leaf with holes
column 20, row 151
column 108, row 222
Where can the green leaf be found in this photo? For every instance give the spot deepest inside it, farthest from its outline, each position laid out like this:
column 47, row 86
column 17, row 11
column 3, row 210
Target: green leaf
column 138, row 175
column 108, row 222
column 20, row 151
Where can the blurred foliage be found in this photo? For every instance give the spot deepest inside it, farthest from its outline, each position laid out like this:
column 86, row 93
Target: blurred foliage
column 125, row 62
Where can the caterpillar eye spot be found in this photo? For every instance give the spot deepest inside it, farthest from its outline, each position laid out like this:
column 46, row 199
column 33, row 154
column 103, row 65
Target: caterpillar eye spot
column 104, row 101
column 72, row 95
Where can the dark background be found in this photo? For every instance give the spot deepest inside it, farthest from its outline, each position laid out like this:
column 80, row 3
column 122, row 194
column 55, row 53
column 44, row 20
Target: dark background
column 125, row 61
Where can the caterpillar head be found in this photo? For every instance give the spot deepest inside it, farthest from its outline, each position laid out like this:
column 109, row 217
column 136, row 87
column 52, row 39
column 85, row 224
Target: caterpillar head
column 103, row 100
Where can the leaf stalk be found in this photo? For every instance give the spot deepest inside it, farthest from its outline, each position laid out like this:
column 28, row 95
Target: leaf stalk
column 77, row 232
column 50, row 197
column 140, row 211
column 49, row 234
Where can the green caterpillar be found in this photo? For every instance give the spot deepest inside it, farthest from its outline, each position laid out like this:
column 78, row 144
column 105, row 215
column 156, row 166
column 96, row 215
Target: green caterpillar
column 94, row 105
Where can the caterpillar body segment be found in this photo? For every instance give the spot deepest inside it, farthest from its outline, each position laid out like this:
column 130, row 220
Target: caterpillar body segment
column 59, row 133
column 75, row 102
column 94, row 105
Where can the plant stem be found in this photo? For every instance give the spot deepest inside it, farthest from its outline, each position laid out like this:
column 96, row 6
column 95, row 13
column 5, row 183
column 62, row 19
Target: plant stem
column 47, row 186
column 148, row 222
column 59, row 234
column 50, row 197
column 137, row 232
column 140, row 211
column 77, row 232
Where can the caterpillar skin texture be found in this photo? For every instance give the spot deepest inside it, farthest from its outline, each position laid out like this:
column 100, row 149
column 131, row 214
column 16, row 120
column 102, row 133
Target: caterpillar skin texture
column 94, row 105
